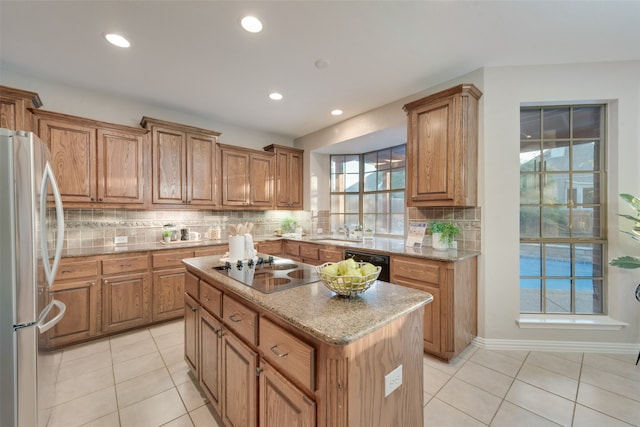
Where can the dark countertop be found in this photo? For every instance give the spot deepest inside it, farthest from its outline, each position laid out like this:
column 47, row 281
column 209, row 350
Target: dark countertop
column 381, row 245
column 316, row 310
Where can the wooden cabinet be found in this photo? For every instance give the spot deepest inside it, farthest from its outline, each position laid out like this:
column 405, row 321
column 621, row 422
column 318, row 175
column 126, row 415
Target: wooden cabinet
column 330, row 254
column 442, row 148
column 168, row 284
column 14, row 108
column 292, row 249
column 282, row 403
column 247, row 178
column 77, row 285
column 273, row 247
column 184, row 164
column 450, row 320
column 310, row 253
column 210, row 378
column 95, row 162
column 240, row 383
column 126, row 293
column 289, row 180
column 191, row 335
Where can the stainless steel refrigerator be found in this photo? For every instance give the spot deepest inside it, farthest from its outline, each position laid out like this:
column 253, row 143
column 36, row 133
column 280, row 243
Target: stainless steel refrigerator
column 31, row 239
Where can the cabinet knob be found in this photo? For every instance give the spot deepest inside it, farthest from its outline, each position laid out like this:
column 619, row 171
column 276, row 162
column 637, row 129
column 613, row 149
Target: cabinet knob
column 93, row 199
column 194, row 309
column 100, row 199
column 184, row 201
column 92, row 283
column 235, row 319
column 220, row 333
column 259, row 371
column 189, row 202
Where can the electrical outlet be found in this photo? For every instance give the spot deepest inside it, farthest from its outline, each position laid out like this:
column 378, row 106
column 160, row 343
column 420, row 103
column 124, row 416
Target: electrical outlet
column 120, row 240
column 392, row 381
column 319, row 230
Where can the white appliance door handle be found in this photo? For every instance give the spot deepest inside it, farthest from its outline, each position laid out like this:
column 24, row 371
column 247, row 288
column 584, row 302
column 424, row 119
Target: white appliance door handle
column 44, row 327
column 50, row 271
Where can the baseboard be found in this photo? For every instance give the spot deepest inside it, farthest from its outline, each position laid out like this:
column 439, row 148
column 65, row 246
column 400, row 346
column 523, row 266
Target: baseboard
column 544, row 345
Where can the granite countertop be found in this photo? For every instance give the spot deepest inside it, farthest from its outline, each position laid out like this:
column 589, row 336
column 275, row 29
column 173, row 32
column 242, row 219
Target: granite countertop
column 382, row 245
column 314, row 309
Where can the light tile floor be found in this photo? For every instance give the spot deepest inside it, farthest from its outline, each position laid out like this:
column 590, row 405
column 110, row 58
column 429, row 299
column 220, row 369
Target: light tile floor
column 140, row 379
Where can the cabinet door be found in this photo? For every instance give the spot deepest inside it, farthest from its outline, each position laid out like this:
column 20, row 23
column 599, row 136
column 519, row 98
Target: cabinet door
column 261, row 180
column 169, row 150
column 191, row 336
column 295, row 181
column 168, row 294
column 211, row 359
column 240, row 383
column 73, row 159
column 235, row 178
column 13, row 108
column 431, row 152
column 125, row 302
column 281, row 403
column 121, row 173
column 201, row 170
column 81, row 319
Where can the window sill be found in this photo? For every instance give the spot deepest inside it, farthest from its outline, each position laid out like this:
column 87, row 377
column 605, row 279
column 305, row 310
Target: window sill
column 598, row 323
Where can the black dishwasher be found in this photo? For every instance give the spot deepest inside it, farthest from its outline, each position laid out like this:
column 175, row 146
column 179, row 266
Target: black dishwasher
column 375, row 259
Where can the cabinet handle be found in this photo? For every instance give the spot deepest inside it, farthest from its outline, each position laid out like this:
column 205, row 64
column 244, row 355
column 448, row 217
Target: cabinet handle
column 93, row 199
column 184, row 201
column 194, row 309
column 259, row 371
column 277, row 352
column 100, row 199
column 206, row 298
column 220, row 333
column 125, row 265
column 106, row 282
column 234, row 319
column 189, row 202
column 92, row 283
column 67, row 271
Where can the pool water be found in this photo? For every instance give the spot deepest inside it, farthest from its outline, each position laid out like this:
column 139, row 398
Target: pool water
column 530, row 267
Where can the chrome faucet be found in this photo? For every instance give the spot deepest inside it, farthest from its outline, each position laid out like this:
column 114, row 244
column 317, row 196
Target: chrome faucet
column 345, row 230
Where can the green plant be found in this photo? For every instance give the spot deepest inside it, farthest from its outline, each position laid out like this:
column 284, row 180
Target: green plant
column 447, row 230
column 288, row 225
column 630, row 261
column 166, row 233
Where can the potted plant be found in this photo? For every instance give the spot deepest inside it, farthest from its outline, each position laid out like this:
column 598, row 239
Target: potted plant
column 166, row 234
column 288, row 225
column 443, row 234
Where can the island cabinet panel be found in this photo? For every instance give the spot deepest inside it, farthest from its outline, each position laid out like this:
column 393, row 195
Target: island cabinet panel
column 442, row 148
column 96, row 163
column 211, row 298
column 77, row 285
column 191, row 285
column 247, row 178
column 14, row 108
column 288, row 176
column 184, row 164
column 240, row 384
column 191, row 335
column 241, row 319
column 281, row 403
column 210, row 378
column 450, row 321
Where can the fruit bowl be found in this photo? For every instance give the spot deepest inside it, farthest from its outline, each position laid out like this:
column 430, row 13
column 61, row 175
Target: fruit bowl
column 347, row 284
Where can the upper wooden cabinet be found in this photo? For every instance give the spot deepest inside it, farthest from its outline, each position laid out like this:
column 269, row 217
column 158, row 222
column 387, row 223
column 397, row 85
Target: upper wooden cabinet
column 95, row 162
column 288, row 178
column 184, row 164
column 442, row 148
column 247, row 178
column 14, row 105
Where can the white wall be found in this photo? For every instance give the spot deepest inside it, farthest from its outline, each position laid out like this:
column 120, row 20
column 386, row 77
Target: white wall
column 505, row 88
column 114, row 109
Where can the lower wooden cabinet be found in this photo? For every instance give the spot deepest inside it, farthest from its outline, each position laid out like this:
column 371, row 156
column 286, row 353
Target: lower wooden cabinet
column 210, row 374
column 273, row 247
column 239, row 364
column 450, row 320
column 168, row 294
column 125, row 302
column 81, row 320
column 282, row 403
column 191, row 333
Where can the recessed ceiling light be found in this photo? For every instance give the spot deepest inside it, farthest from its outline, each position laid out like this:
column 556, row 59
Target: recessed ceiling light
column 117, row 40
column 275, row 96
column 251, row 24
column 336, row 112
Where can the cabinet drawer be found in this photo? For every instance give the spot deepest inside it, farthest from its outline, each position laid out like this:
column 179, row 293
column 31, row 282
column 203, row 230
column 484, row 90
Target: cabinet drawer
column 292, row 248
column 416, row 270
column 210, row 298
column 241, row 319
column 170, row 259
column 331, row 254
column 77, row 270
column 270, row 248
column 125, row 265
column 291, row 355
column 212, row 250
column 191, row 285
column 309, row 252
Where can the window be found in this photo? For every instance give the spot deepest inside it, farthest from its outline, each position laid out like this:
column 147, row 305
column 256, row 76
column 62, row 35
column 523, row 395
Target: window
column 562, row 235
column 368, row 189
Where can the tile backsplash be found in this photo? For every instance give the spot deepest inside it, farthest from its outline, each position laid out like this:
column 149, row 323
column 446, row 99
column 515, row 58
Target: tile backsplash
column 468, row 219
column 98, row 227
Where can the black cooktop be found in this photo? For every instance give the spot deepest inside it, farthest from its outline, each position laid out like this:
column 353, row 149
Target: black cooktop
column 269, row 274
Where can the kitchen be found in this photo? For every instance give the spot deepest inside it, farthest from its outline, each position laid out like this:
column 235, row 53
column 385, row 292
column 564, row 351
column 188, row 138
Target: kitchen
column 497, row 302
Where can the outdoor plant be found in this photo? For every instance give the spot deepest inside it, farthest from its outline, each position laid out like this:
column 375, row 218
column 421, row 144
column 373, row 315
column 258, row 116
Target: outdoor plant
column 628, row 261
column 447, row 231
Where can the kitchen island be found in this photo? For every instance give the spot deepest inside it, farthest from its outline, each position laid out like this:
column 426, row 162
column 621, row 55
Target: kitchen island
column 304, row 356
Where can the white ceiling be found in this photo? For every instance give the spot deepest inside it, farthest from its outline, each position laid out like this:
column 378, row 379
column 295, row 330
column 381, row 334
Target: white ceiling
column 193, row 56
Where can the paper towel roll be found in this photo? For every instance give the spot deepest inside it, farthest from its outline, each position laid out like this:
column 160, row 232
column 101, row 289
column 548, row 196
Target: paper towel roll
column 236, row 248
column 249, row 250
